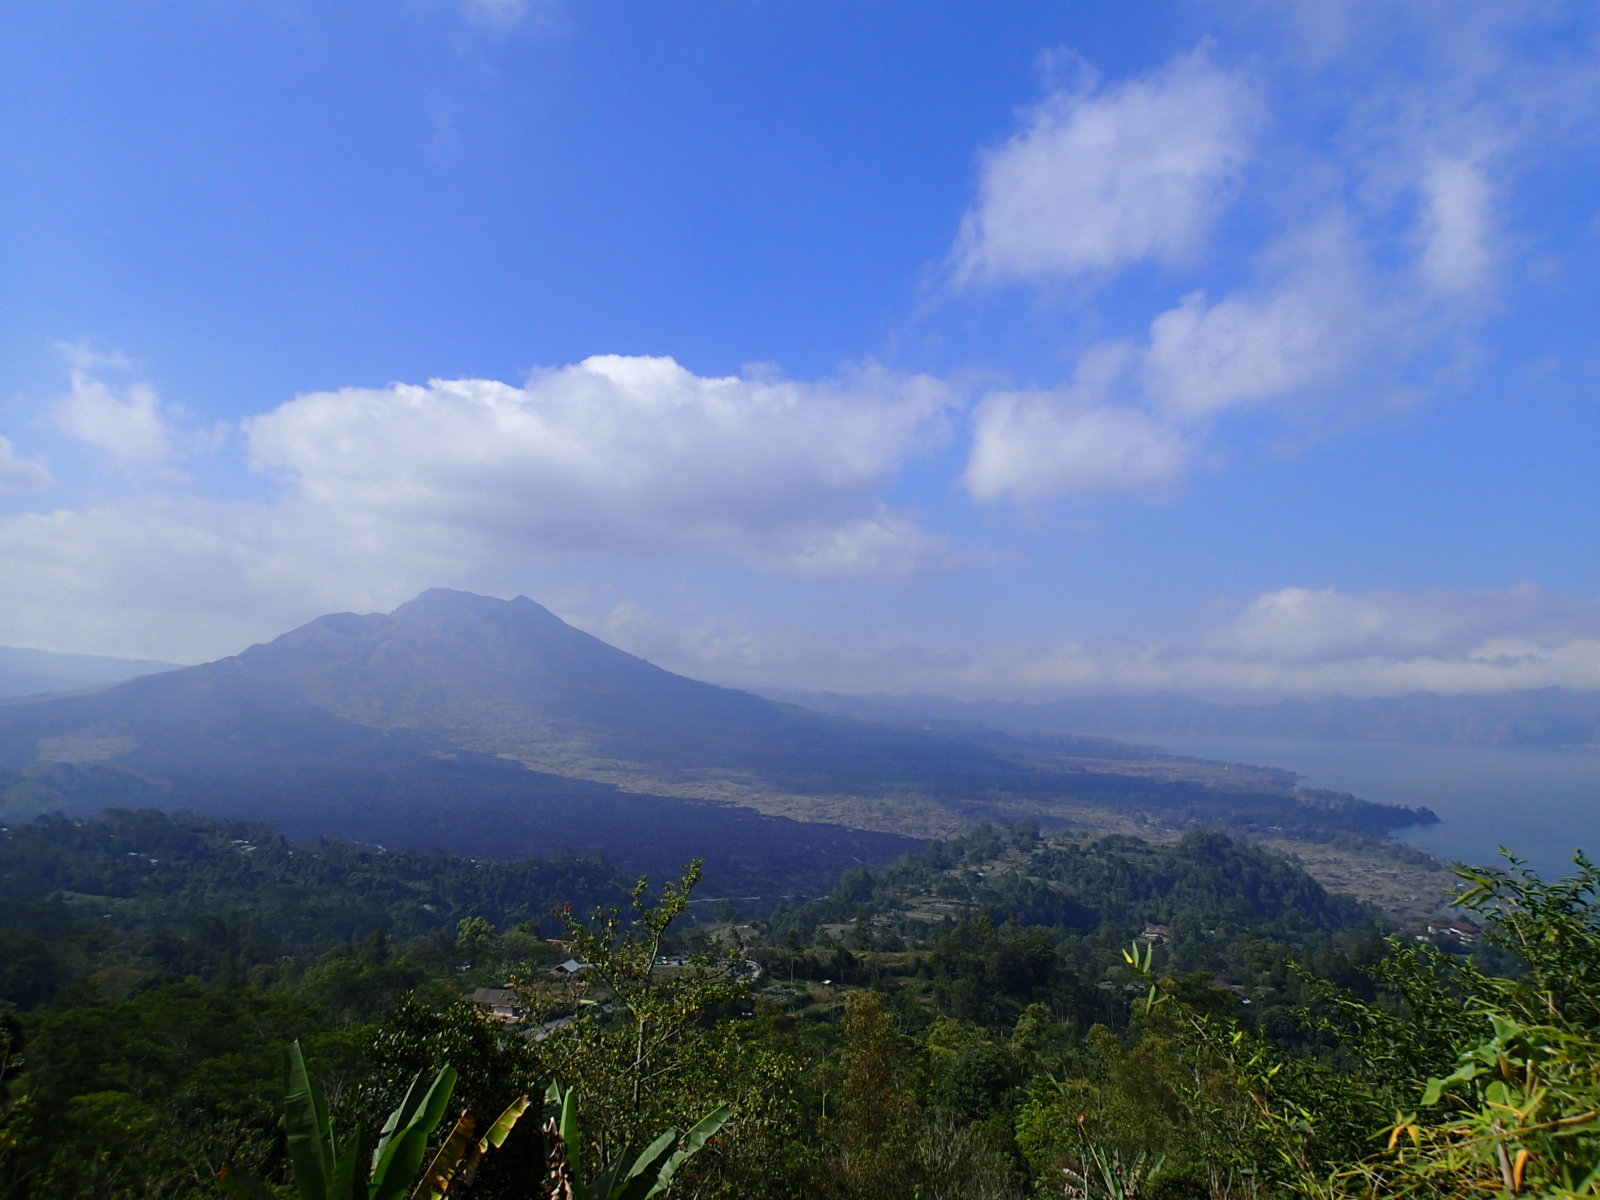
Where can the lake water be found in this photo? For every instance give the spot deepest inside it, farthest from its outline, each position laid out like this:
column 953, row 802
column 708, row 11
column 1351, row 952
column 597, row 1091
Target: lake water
column 1541, row 804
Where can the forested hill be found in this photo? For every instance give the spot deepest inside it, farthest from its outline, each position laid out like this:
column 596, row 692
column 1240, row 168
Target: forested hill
column 969, row 1022
column 1213, row 903
column 1203, row 883
column 150, row 895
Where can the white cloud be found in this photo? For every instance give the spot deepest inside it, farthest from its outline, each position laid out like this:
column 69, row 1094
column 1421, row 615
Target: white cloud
column 132, row 579
column 1293, row 641
column 1301, row 330
column 699, row 647
column 1033, row 445
column 1318, row 317
column 1100, row 178
column 613, row 454
column 188, row 579
column 1574, row 664
column 1240, row 350
column 471, row 483
column 1367, row 250
column 1438, row 113
column 1297, row 623
column 129, row 426
column 1298, row 641
column 1457, row 228
column 18, row 474
column 766, row 653
column 884, row 544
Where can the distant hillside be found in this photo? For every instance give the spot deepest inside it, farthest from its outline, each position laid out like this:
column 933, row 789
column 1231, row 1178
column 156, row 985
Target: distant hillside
column 35, row 672
column 1543, row 717
column 1204, row 890
column 187, row 896
column 491, row 727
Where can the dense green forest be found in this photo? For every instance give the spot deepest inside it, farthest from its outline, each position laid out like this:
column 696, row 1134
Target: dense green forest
column 137, row 896
column 1003, row 1014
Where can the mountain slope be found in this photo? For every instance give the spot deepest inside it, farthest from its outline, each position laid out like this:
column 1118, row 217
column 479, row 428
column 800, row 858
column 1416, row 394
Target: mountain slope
column 491, row 726
column 216, row 741
column 510, row 678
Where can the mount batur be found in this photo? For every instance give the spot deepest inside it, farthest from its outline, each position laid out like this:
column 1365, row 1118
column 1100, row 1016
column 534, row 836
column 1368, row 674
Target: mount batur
column 491, row 727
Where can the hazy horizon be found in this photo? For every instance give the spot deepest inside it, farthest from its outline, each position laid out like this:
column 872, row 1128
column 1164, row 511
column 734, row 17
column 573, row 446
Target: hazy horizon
column 78, row 669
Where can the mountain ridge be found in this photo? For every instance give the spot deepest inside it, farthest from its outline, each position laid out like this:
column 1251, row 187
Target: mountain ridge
column 1555, row 717
column 469, row 721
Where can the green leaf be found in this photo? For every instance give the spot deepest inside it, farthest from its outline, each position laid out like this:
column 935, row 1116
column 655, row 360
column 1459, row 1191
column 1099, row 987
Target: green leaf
column 570, row 1133
column 349, row 1179
column 305, row 1120
column 602, row 1185
column 692, row 1144
column 401, row 1159
column 642, row 1177
column 402, row 1116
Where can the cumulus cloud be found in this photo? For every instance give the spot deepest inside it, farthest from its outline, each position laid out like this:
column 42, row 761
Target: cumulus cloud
column 743, row 651
column 631, row 455
column 1077, row 440
column 18, row 474
column 469, row 483
column 701, row 647
column 1298, row 624
column 1100, row 177
column 1032, row 445
column 1368, row 224
column 1457, row 104
column 127, row 425
column 1309, row 322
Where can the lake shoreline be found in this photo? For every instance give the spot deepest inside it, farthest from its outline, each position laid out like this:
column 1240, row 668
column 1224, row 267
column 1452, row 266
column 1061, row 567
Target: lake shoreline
column 1540, row 802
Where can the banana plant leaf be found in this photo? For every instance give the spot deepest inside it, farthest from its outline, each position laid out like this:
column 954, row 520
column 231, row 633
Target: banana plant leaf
column 696, row 1138
column 399, row 1154
column 435, row 1181
column 305, row 1120
column 349, row 1181
column 459, row 1157
column 629, row 1176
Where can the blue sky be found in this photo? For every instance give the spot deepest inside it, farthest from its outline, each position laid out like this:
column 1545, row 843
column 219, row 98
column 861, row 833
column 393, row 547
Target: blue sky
column 1240, row 349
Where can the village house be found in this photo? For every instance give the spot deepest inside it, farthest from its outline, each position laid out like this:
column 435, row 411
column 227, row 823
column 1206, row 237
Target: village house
column 499, row 1003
